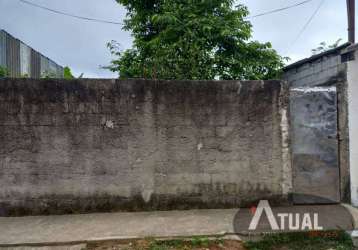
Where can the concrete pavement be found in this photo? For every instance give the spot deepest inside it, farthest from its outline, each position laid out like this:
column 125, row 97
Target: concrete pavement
column 113, row 226
column 82, row 228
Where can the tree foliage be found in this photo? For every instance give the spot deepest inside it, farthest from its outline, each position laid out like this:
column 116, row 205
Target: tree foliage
column 324, row 47
column 192, row 39
column 67, row 74
column 3, row 72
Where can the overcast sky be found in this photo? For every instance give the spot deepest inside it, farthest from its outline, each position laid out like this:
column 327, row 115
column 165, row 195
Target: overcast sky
column 82, row 44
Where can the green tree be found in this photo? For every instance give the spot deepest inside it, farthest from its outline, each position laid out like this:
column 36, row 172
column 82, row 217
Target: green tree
column 67, row 74
column 192, row 39
column 324, row 47
column 3, row 72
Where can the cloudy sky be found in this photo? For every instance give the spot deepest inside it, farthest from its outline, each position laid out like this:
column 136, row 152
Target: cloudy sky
column 82, row 44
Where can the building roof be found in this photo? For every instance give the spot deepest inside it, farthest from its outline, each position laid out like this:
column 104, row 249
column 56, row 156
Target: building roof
column 315, row 57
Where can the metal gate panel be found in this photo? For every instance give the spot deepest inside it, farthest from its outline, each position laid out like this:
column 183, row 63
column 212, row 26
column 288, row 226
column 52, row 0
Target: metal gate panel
column 314, row 145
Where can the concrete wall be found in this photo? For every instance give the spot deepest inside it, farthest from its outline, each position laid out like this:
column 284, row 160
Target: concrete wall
column 101, row 145
column 315, row 73
column 25, row 60
column 353, row 125
column 2, row 49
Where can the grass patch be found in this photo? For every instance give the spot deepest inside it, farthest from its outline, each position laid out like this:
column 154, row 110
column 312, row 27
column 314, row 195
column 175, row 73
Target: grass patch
column 332, row 240
column 329, row 240
column 195, row 242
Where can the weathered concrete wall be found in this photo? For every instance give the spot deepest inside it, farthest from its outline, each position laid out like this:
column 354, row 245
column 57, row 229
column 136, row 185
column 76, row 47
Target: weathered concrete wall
column 353, row 125
column 315, row 73
column 343, row 133
column 100, row 145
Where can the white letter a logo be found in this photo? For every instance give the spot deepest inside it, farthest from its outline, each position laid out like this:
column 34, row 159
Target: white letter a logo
column 264, row 206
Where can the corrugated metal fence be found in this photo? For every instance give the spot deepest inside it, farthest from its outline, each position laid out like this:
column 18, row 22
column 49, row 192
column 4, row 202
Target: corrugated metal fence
column 22, row 61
